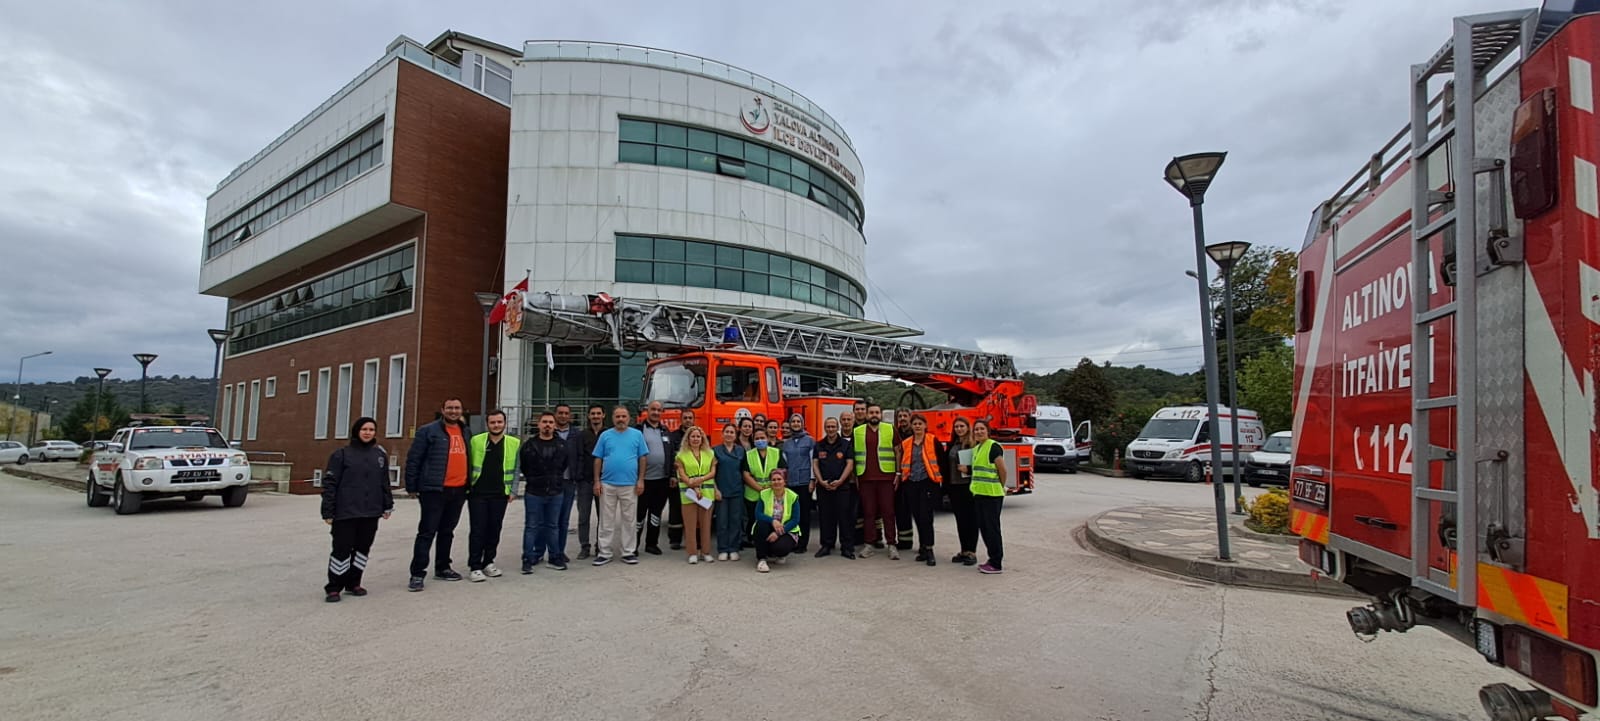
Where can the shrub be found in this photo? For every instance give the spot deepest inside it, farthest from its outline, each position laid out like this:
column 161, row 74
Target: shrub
column 1269, row 513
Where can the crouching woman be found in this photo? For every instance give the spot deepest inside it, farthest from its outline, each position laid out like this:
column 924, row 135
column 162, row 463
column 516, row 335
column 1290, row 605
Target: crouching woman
column 777, row 526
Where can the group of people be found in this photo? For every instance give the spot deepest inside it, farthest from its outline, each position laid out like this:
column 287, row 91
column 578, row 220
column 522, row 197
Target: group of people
column 758, row 488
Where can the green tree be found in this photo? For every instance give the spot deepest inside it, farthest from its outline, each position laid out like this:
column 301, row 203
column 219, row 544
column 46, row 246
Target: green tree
column 1266, row 385
column 1085, row 391
column 1277, row 316
column 80, row 420
column 1119, row 428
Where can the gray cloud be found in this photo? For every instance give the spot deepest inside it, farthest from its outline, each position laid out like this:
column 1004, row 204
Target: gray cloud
column 1013, row 152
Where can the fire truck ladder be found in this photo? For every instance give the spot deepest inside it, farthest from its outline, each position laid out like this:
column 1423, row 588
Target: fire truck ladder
column 1479, row 43
column 599, row 320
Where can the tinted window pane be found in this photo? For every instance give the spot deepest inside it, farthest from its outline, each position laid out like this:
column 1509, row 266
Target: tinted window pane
column 779, row 286
column 778, row 161
column 634, row 247
column 779, row 265
column 703, row 161
column 700, row 253
column 636, row 153
column 669, row 249
column 778, row 180
column 800, row 291
column 730, row 279
column 672, row 157
column 637, row 130
column 835, row 282
column 702, row 140
column 730, row 146
column 669, row 273
column 700, row 276
column 756, row 153
column 673, row 135
column 755, row 283
column 755, row 260
column 756, row 173
column 819, row 276
column 730, row 257
column 634, row 271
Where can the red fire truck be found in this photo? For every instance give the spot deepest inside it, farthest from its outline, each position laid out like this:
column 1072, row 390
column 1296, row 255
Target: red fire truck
column 729, row 365
column 1448, row 338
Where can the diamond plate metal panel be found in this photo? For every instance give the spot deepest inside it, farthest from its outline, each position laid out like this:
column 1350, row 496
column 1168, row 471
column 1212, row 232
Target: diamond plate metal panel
column 1501, row 479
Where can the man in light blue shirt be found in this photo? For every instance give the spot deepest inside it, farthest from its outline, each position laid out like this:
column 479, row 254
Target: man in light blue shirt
column 619, row 462
column 798, row 449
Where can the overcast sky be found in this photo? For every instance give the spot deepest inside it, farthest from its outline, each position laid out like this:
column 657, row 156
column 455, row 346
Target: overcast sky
column 1013, row 151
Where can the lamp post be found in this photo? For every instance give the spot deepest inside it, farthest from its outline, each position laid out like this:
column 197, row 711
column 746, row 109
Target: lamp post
column 1226, row 255
column 488, row 301
column 94, row 424
column 16, row 393
column 218, row 336
column 145, row 359
column 1191, row 175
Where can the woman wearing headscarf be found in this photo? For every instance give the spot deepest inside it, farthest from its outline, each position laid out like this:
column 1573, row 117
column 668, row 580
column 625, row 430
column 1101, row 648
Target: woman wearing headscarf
column 355, row 494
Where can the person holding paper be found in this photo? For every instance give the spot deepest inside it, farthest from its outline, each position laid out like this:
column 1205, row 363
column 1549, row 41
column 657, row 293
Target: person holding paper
column 697, row 490
column 958, row 488
column 988, row 492
column 777, row 526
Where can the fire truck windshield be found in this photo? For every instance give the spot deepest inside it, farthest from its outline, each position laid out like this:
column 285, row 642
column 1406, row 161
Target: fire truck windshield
column 1169, row 429
column 677, row 384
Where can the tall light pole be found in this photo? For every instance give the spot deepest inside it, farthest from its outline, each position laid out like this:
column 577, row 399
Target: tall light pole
column 145, row 359
column 218, row 336
column 488, row 301
column 94, row 425
column 1227, row 255
column 1191, row 175
column 16, row 393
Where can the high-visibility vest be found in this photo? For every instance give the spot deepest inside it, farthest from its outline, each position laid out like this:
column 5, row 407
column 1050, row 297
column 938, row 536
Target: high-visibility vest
column 478, row 447
column 693, row 467
column 930, row 458
column 885, row 448
column 761, row 470
column 985, row 477
column 765, row 499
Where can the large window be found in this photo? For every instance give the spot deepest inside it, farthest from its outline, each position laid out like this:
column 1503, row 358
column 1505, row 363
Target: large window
column 320, row 427
column 369, row 289
column 700, row 264
column 394, row 415
column 680, row 146
column 358, row 153
column 341, row 421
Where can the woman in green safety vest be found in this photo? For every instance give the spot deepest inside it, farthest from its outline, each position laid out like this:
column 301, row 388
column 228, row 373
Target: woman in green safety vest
column 759, row 463
column 697, row 490
column 777, row 526
column 988, row 492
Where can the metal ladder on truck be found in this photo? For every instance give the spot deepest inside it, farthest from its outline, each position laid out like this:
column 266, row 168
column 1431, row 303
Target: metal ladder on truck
column 1478, row 44
column 590, row 320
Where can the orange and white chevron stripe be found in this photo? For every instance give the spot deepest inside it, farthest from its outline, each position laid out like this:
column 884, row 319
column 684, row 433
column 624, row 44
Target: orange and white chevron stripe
column 1532, row 601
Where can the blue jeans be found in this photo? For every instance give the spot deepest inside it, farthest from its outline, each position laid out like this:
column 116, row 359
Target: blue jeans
column 539, row 528
column 564, row 519
column 730, row 524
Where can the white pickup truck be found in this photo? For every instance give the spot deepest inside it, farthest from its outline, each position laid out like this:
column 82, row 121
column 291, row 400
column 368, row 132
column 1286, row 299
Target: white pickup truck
column 149, row 462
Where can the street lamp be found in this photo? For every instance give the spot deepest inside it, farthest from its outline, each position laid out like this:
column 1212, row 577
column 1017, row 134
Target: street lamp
column 1226, row 255
column 488, row 301
column 16, row 393
column 1191, row 175
column 94, row 425
column 145, row 359
column 218, row 336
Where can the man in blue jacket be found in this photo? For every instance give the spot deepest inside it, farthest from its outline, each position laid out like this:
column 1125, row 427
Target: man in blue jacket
column 436, row 475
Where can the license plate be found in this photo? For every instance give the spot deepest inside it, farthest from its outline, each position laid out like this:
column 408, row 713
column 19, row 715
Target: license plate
column 1312, row 492
column 194, row 476
column 1266, row 472
column 1315, row 556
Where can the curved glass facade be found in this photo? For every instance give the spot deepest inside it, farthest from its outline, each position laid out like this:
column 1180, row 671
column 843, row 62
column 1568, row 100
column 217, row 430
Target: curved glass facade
column 703, row 264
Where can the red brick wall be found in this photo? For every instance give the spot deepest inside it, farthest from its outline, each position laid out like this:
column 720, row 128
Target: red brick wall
column 451, row 151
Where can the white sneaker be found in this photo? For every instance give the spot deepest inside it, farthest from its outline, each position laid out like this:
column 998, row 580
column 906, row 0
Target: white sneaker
column 477, row 577
column 722, row 557
column 491, row 571
column 708, row 559
column 761, row 567
column 733, row 556
column 894, row 553
column 693, row 560
column 866, row 551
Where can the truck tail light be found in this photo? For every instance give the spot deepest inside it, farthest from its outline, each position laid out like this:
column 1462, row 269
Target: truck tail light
column 1306, row 305
column 1535, row 164
column 1564, row 669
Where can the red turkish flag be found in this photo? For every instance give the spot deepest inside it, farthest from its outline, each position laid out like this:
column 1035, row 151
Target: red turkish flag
column 498, row 313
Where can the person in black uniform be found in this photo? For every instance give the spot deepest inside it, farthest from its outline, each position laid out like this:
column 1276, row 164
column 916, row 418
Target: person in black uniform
column 355, row 494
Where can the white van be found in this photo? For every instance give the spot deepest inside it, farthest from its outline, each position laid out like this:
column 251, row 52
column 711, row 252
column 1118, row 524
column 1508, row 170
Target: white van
column 1057, row 443
column 1177, row 442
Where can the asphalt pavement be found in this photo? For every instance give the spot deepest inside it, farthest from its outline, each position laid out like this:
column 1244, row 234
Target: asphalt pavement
column 197, row 612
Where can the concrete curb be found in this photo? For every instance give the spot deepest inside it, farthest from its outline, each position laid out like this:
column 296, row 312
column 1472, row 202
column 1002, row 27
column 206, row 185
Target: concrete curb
column 1209, row 569
column 77, row 485
column 1242, row 530
column 1107, row 472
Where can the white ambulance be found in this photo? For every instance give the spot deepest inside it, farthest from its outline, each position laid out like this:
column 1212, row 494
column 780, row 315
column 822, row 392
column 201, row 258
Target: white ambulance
column 1177, row 442
column 1057, row 442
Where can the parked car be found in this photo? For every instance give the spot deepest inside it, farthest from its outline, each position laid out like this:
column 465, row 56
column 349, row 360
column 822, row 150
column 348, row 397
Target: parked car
column 1271, row 463
column 1177, row 441
column 13, row 452
column 145, row 463
column 55, row 451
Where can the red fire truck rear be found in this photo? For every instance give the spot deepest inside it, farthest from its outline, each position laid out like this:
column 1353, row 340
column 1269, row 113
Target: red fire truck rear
column 1448, row 338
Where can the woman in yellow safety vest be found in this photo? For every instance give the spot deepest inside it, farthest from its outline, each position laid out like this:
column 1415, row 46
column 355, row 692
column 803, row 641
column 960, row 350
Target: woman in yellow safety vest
column 777, row 525
column 759, row 464
column 988, row 492
column 697, row 479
